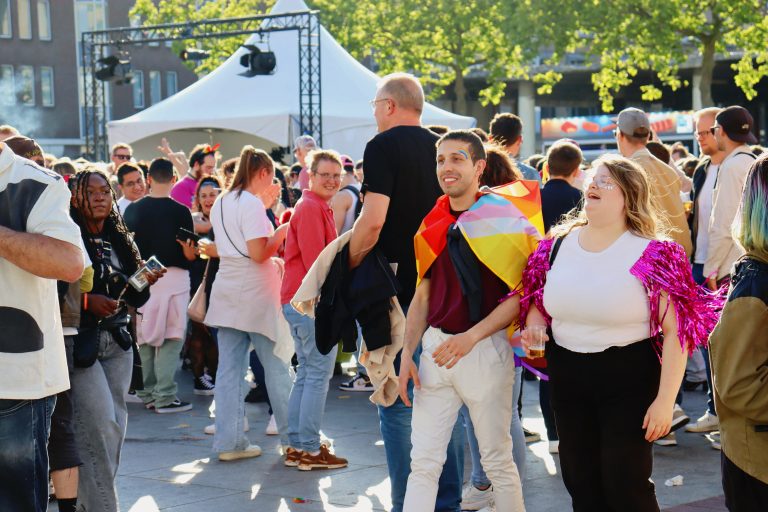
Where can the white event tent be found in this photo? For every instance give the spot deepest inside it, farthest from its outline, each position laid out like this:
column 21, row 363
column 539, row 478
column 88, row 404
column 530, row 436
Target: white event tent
column 224, row 107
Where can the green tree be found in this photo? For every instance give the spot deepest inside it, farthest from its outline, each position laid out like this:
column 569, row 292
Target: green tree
column 624, row 37
column 149, row 12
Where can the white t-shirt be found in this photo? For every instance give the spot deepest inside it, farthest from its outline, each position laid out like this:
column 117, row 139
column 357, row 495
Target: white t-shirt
column 594, row 302
column 703, row 212
column 237, row 218
column 122, row 204
column 32, row 357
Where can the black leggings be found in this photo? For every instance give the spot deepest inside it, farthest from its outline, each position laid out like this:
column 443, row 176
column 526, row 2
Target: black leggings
column 600, row 400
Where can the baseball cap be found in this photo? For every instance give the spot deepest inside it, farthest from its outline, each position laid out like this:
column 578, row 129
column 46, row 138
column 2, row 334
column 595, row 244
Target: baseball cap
column 348, row 163
column 634, row 122
column 25, row 147
column 737, row 124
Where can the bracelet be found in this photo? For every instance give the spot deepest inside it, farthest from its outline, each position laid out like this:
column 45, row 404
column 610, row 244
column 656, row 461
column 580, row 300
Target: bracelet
column 85, row 302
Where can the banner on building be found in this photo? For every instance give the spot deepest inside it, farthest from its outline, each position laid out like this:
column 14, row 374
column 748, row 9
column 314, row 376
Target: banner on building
column 601, row 127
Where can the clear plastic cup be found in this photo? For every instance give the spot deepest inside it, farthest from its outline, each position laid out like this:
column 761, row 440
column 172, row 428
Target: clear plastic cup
column 537, row 336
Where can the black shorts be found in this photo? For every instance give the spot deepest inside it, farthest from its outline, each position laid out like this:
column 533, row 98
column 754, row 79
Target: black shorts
column 62, row 448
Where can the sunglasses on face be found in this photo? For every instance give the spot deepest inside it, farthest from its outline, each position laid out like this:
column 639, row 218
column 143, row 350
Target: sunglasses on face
column 123, row 157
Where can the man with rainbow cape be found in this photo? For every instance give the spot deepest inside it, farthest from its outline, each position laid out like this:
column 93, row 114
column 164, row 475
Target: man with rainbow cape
column 471, row 250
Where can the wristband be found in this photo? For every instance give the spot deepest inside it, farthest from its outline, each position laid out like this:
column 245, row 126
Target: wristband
column 85, row 302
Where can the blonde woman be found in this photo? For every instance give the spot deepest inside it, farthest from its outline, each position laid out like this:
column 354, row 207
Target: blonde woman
column 609, row 284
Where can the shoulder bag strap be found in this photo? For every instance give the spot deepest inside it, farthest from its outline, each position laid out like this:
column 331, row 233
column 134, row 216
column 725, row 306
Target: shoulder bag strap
column 554, row 250
column 224, row 225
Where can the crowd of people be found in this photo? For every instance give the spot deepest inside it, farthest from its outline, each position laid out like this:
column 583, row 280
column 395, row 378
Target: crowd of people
column 447, row 266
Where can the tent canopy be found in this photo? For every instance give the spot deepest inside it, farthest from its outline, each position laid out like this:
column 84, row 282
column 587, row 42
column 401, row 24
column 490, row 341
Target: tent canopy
column 226, row 108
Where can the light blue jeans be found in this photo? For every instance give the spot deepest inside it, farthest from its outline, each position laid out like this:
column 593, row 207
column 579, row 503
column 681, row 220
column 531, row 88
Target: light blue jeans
column 479, row 478
column 234, row 346
column 306, row 405
column 101, row 418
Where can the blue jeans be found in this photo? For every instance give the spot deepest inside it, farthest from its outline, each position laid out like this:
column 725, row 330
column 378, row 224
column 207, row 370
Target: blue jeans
column 24, row 429
column 229, row 393
column 395, row 424
column 479, row 478
column 306, row 405
column 698, row 276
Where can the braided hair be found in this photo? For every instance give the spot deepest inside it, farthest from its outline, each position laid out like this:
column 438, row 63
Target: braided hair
column 114, row 226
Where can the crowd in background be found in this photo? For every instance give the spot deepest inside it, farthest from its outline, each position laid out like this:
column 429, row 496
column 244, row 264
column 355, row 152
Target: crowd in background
column 646, row 245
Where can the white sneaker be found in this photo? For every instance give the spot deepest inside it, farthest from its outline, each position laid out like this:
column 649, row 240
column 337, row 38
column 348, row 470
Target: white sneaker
column 211, row 429
column 679, row 418
column 473, row 498
column 668, row 440
column 707, row 423
column 271, row 426
column 252, row 451
column 554, row 447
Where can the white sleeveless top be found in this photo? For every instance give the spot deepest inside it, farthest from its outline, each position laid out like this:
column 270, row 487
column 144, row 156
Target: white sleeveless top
column 594, row 302
column 349, row 218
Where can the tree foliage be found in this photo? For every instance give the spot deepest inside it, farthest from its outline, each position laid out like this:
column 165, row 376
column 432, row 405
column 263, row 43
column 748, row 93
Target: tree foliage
column 624, row 37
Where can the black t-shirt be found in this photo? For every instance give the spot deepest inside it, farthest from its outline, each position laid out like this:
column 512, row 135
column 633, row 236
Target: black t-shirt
column 400, row 164
column 557, row 199
column 155, row 221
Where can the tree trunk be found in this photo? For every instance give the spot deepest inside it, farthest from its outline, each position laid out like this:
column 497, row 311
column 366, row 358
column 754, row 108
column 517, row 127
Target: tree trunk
column 707, row 70
column 460, row 91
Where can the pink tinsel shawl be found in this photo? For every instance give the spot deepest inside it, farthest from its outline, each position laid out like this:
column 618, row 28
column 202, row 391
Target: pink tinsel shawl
column 663, row 269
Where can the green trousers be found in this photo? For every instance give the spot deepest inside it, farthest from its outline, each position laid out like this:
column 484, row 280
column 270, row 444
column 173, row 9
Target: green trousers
column 159, row 364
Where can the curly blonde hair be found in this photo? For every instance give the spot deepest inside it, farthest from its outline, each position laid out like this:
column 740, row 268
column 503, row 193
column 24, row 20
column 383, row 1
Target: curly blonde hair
column 641, row 213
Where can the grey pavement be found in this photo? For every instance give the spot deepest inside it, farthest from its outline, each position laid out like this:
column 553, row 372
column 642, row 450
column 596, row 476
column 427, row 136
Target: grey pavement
column 167, row 463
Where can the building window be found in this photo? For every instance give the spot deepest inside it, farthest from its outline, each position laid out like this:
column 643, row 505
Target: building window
column 7, row 85
column 171, row 83
column 155, row 87
column 138, row 89
column 46, row 86
column 44, row 20
column 26, row 90
column 5, row 18
column 24, row 11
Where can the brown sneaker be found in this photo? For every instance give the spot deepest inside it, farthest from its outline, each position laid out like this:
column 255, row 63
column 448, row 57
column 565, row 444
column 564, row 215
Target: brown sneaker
column 323, row 460
column 292, row 457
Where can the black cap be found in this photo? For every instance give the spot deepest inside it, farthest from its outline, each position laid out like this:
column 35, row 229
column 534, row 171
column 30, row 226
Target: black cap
column 737, row 124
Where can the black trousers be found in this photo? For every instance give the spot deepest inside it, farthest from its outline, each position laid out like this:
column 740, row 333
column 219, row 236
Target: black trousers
column 599, row 401
column 743, row 492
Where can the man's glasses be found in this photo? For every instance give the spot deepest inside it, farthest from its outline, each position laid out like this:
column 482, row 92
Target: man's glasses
column 703, row 133
column 122, row 157
column 713, row 129
column 374, row 102
column 328, row 177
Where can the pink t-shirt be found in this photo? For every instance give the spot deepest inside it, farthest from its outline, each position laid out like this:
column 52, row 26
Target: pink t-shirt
column 184, row 191
column 312, row 220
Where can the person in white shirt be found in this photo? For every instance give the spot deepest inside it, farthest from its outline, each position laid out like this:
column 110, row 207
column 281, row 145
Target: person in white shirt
column 733, row 131
column 133, row 186
column 34, row 226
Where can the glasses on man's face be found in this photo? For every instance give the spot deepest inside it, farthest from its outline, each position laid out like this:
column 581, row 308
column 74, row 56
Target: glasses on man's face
column 703, row 133
column 714, row 129
column 374, row 102
column 122, row 156
column 328, row 177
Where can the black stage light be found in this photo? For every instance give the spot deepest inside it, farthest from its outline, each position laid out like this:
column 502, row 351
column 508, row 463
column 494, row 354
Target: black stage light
column 194, row 54
column 114, row 69
column 258, row 62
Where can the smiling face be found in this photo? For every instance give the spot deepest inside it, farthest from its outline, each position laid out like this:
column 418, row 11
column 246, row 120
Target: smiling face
column 457, row 175
column 206, row 197
column 326, row 180
column 604, row 201
column 133, row 186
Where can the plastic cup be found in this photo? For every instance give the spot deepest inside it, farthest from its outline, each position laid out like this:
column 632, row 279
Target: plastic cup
column 537, row 336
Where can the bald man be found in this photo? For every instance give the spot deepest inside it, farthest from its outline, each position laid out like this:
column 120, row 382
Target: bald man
column 401, row 187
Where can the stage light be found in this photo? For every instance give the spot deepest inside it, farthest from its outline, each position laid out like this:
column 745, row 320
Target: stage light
column 194, row 54
column 115, row 70
column 257, row 61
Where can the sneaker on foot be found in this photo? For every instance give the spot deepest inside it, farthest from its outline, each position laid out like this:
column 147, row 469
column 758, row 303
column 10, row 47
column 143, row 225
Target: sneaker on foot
column 473, row 498
column 203, row 386
column 668, row 440
column 531, row 437
column 149, row 405
column 714, row 439
column 554, row 446
column 359, row 382
column 211, row 429
column 252, row 451
column 323, row 460
column 175, row 406
column 679, row 419
column 271, row 426
column 292, row 457
column 706, row 423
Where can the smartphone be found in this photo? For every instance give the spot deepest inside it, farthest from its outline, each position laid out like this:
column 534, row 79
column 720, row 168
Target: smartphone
column 139, row 279
column 185, row 234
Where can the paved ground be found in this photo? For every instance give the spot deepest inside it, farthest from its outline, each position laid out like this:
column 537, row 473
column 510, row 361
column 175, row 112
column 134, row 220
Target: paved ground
column 167, row 464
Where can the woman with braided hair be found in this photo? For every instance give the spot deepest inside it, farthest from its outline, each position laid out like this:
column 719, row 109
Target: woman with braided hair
column 103, row 359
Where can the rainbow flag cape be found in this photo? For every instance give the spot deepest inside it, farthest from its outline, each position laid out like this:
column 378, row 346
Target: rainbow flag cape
column 502, row 228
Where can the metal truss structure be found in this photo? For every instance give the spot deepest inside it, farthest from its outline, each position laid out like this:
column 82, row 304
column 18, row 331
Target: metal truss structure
column 95, row 43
